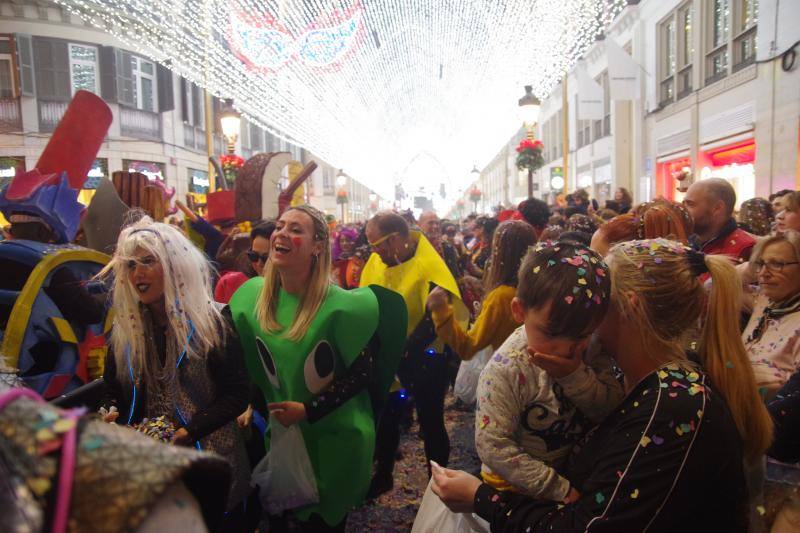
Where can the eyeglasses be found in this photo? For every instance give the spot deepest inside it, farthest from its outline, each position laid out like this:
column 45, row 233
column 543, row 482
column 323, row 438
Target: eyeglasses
column 148, row 263
column 256, row 257
column 382, row 239
column 773, row 266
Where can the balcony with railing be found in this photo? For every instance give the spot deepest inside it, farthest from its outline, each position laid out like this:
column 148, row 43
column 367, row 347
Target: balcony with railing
column 139, row 124
column 50, row 114
column 10, row 116
column 194, row 138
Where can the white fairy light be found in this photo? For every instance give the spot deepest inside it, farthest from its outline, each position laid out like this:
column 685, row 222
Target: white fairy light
column 367, row 85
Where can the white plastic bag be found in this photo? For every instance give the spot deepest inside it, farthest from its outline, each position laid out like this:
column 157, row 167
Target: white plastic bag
column 434, row 517
column 466, row 385
column 285, row 476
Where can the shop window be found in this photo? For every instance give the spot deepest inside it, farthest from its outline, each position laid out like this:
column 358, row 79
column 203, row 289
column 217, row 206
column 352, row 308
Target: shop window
column 198, row 181
column 151, row 169
column 10, row 166
column 734, row 163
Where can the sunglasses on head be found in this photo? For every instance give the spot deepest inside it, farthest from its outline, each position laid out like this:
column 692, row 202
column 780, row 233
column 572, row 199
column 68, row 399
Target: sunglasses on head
column 257, row 257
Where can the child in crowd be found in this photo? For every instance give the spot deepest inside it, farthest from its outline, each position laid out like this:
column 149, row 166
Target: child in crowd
column 543, row 389
column 545, row 385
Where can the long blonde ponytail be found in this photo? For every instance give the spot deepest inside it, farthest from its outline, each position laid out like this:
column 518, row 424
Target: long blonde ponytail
column 723, row 356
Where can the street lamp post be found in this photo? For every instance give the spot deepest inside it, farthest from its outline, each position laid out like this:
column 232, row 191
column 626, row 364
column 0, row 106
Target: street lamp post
column 529, row 108
column 231, row 122
column 341, row 181
column 475, row 177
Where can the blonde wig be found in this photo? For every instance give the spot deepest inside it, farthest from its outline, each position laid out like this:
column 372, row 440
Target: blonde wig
column 317, row 286
column 188, row 297
column 670, row 301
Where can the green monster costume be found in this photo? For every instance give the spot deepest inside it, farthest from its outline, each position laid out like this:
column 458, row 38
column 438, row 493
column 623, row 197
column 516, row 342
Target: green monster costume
column 340, row 445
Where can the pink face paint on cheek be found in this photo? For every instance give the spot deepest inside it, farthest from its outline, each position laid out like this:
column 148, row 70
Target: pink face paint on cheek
column 297, row 241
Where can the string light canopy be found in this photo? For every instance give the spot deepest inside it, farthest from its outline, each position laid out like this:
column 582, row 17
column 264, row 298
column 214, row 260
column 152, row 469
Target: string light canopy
column 366, row 84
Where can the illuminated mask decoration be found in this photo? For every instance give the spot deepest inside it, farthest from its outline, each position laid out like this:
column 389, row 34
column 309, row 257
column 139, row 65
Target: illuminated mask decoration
column 266, row 45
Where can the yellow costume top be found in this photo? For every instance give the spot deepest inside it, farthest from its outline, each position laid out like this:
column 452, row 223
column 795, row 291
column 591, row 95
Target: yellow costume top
column 412, row 280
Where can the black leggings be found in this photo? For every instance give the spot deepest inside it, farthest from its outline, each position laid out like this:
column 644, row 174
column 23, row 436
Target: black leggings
column 426, row 377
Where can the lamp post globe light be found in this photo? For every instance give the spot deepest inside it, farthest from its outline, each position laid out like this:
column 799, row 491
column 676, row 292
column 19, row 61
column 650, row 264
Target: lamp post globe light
column 231, row 122
column 529, row 108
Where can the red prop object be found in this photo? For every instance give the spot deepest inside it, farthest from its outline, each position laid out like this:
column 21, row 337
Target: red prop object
column 77, row 139
column 221, row 206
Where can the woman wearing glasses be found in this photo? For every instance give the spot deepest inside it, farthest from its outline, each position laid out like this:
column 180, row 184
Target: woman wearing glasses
column 772, row 336
column 172, row 352
column 249, row 264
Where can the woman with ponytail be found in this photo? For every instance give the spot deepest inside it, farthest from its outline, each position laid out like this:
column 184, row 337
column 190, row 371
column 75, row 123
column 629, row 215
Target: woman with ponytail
column 672, row 456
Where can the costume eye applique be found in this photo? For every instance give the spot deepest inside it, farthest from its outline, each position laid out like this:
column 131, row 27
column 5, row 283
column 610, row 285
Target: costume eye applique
column 319, row 367
column 268, row 363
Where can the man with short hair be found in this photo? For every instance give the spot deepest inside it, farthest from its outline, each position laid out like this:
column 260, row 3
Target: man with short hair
column 711, row 202
column 431, row 227
column 536, row 213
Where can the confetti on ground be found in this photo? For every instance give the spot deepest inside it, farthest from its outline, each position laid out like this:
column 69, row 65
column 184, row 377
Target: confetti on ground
column 395, row 511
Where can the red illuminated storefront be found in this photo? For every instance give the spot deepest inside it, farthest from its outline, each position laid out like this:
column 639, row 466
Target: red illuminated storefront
column 667, row 173
column 734, row 162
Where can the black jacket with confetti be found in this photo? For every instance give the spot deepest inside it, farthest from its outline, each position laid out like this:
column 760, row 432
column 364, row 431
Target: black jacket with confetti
column 669, row 458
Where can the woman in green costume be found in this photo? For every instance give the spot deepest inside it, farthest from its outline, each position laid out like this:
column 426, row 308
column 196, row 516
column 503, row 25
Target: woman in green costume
column 324, row 359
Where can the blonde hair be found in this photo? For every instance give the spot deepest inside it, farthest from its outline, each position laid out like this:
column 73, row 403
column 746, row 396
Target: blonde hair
column 315, row 293
column 670, row 302
column 789, row 236
column 188, row 297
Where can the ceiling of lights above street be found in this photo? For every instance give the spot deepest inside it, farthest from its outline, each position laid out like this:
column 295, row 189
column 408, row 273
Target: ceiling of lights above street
column 375, row 87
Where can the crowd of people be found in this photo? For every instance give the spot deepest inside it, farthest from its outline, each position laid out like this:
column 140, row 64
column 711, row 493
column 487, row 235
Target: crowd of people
column 630, row 367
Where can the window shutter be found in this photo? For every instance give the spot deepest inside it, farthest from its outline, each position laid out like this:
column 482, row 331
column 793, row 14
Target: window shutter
column 24, row 47
column 166, row 98
column 108, row 73
column 125, row 81
column 197, row 107
column 184, row 103
column 216, row 106
column 51, row 61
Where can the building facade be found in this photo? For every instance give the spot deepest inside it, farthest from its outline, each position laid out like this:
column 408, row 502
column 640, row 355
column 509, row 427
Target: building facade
column 159, row 118
column 719, row 96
